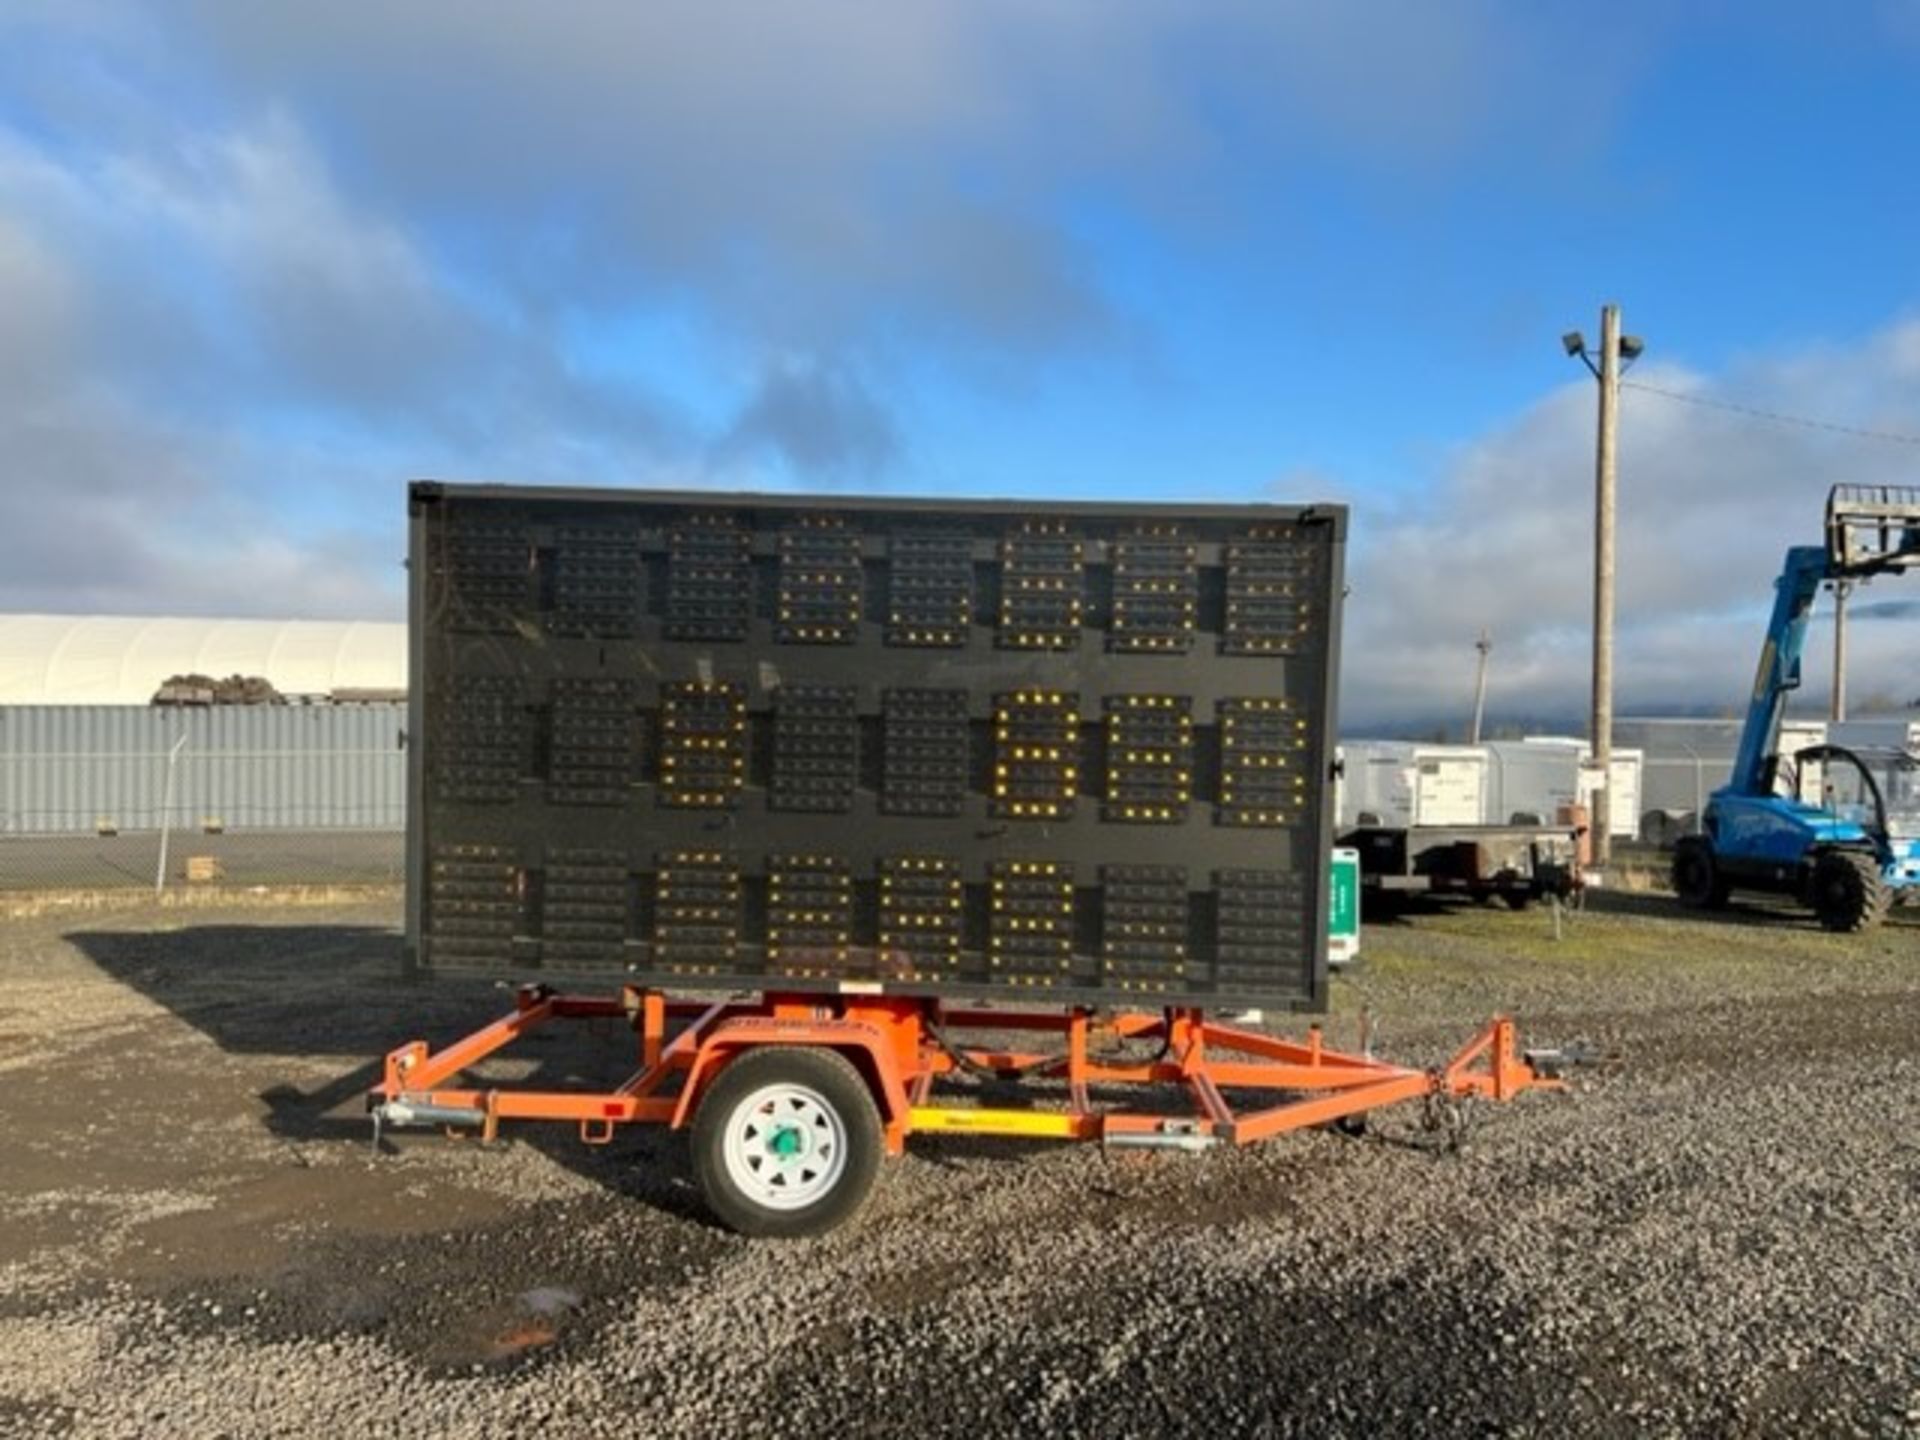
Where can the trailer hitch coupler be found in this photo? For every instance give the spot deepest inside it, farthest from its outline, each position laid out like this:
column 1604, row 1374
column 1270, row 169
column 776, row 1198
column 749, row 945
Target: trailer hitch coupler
column 1174, row 1137
column 401, row 1113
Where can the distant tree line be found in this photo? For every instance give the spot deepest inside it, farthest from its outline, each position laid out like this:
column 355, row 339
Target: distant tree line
column 206, row 690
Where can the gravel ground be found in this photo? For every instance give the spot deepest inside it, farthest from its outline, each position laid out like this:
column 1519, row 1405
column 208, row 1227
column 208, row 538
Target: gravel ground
column 1712, row 1235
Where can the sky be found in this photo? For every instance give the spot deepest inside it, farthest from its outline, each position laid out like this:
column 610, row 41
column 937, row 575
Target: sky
column 260, row 265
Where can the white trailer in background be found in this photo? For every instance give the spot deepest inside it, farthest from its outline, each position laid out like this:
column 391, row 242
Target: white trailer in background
column 1397, row 783
column 1531, row 781
column 1417, row 815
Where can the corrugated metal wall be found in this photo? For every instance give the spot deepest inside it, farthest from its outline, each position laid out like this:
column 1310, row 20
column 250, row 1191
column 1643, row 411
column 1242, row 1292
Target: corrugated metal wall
column 68, row 769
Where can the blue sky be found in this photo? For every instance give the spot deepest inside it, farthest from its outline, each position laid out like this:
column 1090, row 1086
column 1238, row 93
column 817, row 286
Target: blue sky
column 259, row 265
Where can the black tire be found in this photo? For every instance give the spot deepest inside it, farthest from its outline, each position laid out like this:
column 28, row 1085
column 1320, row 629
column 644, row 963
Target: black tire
column 1696, row 875
column 1517, row 899
column 1848, row 892
column 811, row 1098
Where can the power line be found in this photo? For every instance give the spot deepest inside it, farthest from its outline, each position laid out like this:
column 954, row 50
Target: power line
column 1892, row 437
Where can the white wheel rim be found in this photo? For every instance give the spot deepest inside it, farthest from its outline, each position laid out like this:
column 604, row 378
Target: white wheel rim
column 786, row 1147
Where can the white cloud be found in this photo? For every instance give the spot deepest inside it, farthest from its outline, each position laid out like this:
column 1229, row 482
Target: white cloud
column 186, row 327
column 1709, row 501
column 833, row 174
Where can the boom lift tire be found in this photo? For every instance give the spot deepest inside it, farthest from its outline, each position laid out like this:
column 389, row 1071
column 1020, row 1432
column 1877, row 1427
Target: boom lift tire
column 1696, row 875
column 788, row 1142
column 1847, row 891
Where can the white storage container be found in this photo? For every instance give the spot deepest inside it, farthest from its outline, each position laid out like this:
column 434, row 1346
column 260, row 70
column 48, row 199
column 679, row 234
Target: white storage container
column 1399, row 784
column 1531, row 780
column 1529, row 784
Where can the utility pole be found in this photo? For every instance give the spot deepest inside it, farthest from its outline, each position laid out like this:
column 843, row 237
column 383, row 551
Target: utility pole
column 1606, row 476
column 1841, row 590
column 1614, row 349
column 1485, row 646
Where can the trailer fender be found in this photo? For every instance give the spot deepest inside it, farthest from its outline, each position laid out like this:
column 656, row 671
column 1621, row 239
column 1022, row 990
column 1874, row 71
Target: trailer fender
column 867, row 1046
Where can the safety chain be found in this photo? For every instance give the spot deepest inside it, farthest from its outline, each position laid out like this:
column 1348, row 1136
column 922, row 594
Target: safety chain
column 1446, row 1116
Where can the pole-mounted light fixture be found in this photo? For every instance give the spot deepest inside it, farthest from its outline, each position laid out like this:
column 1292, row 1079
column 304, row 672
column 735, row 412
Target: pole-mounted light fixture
column 1575, row 344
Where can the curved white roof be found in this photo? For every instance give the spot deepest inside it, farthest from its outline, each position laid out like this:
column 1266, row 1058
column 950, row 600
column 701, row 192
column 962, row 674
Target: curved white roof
column 122, row 659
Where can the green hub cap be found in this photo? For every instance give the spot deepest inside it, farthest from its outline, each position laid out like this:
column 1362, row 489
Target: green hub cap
column 785, row 1147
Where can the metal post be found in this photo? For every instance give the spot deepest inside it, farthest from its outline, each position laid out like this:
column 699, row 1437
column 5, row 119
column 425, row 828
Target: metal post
column 1841, row 590
column 1485, row 646
column 1605, row 476
column 166, row 816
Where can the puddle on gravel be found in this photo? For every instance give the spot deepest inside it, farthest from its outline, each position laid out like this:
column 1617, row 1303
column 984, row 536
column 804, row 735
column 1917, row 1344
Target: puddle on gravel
column 469, row 1299
column 550, row 1300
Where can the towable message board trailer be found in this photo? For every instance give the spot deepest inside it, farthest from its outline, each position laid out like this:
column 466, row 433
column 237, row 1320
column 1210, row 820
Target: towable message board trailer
column 877, row 767
column 954, row 748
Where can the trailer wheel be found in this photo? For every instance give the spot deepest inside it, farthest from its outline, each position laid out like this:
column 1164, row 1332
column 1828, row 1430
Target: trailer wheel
column 788, row 1142
column 1848, row 891
column 1696, row 875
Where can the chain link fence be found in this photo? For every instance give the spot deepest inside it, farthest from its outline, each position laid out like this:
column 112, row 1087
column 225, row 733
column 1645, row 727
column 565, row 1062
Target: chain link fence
column 1674, row 790
column 157, row 860
column 122, row 797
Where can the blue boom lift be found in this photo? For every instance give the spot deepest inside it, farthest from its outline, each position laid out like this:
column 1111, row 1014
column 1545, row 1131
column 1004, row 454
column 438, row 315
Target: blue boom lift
column 1853, row 848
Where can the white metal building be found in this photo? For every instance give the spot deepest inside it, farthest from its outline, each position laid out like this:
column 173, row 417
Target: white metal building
column 1688, row 758
column 1877, row 732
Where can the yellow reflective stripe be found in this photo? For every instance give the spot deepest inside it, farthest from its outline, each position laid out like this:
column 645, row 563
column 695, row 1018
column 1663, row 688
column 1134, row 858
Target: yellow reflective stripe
column 1036, row 1123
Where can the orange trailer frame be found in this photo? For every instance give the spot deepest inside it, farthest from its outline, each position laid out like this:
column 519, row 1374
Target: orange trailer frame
column 901, row 1048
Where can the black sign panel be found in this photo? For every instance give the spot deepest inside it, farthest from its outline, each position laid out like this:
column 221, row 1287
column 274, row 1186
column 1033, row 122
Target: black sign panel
column 1044, row 751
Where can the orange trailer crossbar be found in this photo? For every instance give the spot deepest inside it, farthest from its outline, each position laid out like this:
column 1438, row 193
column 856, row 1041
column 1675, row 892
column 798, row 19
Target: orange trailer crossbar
column 901, row 1048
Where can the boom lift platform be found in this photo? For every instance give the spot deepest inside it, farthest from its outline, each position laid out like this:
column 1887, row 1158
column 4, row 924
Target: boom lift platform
column 794, row 1101
column 1851, row 851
